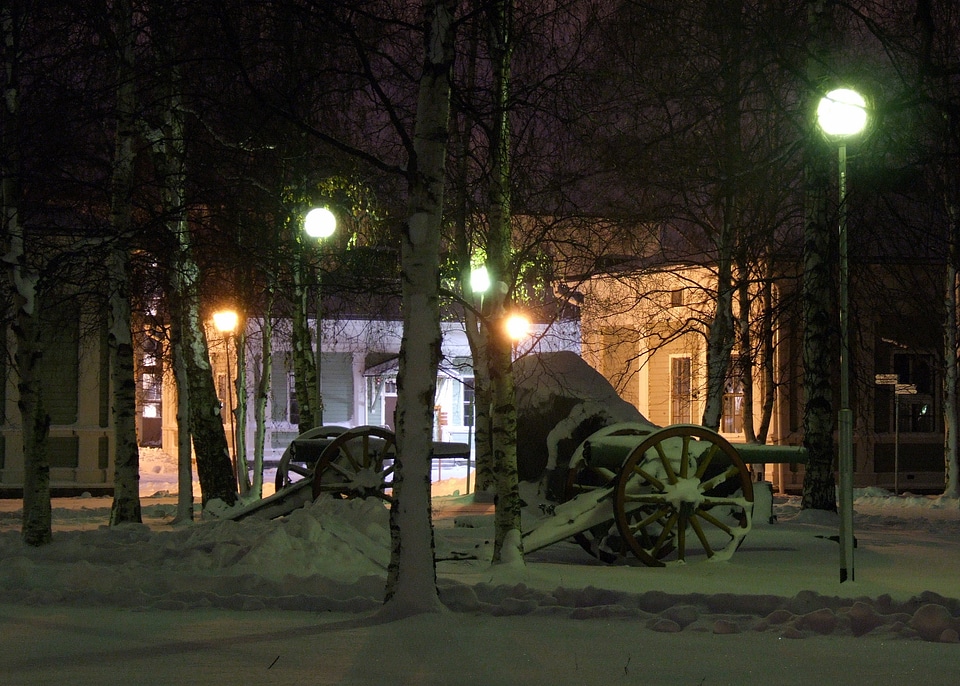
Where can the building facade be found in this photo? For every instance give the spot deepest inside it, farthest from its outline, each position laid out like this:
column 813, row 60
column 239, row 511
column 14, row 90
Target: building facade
column 646, row 331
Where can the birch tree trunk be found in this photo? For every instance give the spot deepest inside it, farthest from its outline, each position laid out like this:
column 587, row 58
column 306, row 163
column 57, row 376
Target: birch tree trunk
column 768, row 378
column 746, row 357
column 819, row 350
column 34, row 422
column 261, row 393
column 721, row 337
column 214, row 466
column 412, row 577
column 240, row 412
column 184, row 442
column 304, row 366
column 935, row 70
column 485, row 475
column 126, row 479
column 508, row 544
column 476, row 330
column 218, row 482
column 951, row 438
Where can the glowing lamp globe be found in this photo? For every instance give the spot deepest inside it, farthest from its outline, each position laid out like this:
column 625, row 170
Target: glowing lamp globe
column 842, row 112
column 517, row 326
column 319, row 223
column 480, row 280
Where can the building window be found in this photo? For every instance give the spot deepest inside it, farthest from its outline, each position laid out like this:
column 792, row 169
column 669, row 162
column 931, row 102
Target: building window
column 152, row 388
column 917, row 413
column 676, row 298
column 469, row 401
column 681, row 390
column 731, row 418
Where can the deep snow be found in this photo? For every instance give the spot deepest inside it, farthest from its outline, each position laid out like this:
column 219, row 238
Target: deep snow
column 292, row 601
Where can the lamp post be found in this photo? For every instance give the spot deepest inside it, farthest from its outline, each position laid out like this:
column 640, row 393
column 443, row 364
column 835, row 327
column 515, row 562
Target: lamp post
column 225, row 321
column 842, row 113
column 319, row 223
column 479, row 285
column 517, row 327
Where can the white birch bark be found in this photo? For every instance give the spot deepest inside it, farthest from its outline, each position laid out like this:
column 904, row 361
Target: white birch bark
column 240, row 412
column 508, row 546
column 126, row 477
column 411, row 583
column 36, row 523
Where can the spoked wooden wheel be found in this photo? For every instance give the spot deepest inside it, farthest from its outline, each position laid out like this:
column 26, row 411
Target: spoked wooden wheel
column 359, row 463
column 293, row 467
column 683, row 492
column 603, row 541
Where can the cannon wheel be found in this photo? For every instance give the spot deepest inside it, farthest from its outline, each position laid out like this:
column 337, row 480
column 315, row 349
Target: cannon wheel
column 603, row 541
column 658, row 504
column 358, row 463
column 290, row 470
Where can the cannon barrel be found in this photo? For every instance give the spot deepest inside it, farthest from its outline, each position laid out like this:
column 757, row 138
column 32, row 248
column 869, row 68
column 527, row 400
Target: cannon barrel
column 610, row 451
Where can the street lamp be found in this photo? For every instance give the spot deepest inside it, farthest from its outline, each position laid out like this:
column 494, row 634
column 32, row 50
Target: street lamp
column 319, row 223
column 225, row 321
column 517, row 327
column 480, row 280
column 842, row 113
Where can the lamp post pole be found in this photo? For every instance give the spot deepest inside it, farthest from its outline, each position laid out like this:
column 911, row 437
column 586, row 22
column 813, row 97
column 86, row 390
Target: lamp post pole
column 845, row 418
column 842, row 113
column 225, row 322
column 319, row 223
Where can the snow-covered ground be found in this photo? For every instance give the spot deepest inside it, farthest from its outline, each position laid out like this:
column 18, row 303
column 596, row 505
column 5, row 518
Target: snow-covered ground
column 292, row 601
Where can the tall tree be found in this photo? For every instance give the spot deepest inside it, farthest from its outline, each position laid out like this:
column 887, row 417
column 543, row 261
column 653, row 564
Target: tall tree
column 411, row 582
column 23, row 277
column 508, row 544
column 939, row 66
column 126, row 482
column 168, row 140
column 819, row 359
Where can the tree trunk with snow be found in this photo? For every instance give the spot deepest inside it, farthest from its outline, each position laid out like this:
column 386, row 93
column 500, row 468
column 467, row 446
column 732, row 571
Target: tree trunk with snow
column 935, row 56
column 745, row 354
column 508, row 544
column 466, row 243
column 719, row 342
column 951, row 376
column 485, row 474
column 184, row 442
column 214, row 466
column 819, row 349
column 126, row 476
column 412, row 577
column 768, row 380
column 240, row 412
column 304, row 364
column 218, row 483
column 34, row 421
column 722, row 334
column 263, row 376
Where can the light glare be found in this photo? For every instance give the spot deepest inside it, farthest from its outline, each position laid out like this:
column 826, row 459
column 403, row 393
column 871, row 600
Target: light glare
column 480, row 280
column 225, row 321
column 320, row 222
column 517, row 326
column 842, row 112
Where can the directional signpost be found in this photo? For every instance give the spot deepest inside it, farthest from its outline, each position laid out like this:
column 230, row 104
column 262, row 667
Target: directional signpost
column 898, row 390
